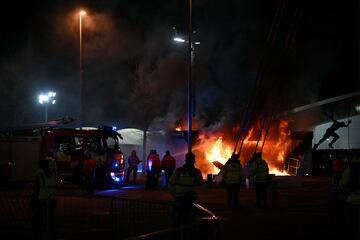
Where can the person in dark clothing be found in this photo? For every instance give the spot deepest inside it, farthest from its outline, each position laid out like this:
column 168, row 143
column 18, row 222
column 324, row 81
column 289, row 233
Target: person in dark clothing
column 260, row 170
column 168, row 164
column 330, row 132
column 152, row 170
column 183, row 186
column 232, row 176
column 133, row 161
column 89, row 173
column 43, row 201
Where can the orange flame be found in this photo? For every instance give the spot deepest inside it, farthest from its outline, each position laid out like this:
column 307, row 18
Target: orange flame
column 218, row 152
column 178, row 127
column 277, row 147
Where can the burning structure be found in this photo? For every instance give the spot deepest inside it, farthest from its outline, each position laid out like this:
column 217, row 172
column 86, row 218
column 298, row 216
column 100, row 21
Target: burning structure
column 282, row 148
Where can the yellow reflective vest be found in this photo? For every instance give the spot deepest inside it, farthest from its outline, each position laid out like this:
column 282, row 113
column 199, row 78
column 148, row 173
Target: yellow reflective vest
column 184, row 182
column 260, row 170
column 233, row 172
column 47, row 185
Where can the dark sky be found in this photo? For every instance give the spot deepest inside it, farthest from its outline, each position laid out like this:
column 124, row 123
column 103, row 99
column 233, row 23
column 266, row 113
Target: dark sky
column 134, row 72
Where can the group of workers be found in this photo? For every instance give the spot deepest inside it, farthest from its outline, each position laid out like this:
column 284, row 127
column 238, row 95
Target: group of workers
column 182, row 183
column 154, row 167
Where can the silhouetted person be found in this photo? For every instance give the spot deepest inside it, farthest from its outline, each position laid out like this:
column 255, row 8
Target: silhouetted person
column 183, row 186
column 330, row 132
column 168, row 164
column 43, row 201
column 133, row 161
column 260, row 170
column 233, row 176
column 89, row 173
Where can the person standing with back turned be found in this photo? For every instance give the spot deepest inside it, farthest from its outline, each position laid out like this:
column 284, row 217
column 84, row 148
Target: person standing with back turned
column 168, row 164
column 260, row 170
column 183, row 187
column 233, row 175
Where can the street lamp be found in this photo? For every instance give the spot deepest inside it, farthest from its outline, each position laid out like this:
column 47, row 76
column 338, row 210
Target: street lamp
column 81, row 14
column 46, row 99
column 191, row 56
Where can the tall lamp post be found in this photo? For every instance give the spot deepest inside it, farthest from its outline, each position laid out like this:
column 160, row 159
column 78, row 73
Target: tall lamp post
column 46, row 99
column 81, row 14
column 190, row 61
column 190, row 88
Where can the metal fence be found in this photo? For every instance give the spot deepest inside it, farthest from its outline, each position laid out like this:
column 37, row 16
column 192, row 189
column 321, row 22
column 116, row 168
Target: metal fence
column 134, row 217
column 82, row 217
column 15, row 217
column 206, row 226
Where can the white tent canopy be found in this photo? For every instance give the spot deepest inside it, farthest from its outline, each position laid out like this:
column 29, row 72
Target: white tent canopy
column 131, row 136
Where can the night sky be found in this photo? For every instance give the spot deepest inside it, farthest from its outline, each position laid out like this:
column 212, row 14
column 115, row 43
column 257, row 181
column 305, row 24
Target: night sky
column 135, row 75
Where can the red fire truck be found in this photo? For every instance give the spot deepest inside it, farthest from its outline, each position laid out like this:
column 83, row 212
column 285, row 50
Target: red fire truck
column 20, row 151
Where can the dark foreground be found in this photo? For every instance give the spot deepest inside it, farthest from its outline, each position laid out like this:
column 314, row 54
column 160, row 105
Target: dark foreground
column 305, row 211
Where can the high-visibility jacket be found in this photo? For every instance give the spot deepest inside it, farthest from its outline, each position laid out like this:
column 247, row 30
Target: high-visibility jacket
column 185, row 182
column 47, row 185
column 168, row 161
column 233, row 172
column 260, row 170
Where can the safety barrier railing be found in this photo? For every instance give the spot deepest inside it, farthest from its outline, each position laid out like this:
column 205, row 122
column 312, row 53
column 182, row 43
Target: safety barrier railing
column 134, row 217
column 96, row 217
column 15, row 217
column 207, row 226
column 83, row 217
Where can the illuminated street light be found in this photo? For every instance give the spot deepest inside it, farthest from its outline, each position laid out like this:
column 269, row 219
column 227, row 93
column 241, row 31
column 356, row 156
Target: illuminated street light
column 46, row 99
column 357, row 108
column 191, row 57
column 177, row 39
column 81, row 14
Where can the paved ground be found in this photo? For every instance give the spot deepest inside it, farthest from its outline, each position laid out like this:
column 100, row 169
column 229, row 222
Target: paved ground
column 304, row 210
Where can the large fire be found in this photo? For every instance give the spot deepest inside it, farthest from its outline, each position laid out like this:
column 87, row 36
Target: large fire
column 277, row 146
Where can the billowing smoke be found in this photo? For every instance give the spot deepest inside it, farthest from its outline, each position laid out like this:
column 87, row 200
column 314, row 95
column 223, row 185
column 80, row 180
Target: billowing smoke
column 135, row 75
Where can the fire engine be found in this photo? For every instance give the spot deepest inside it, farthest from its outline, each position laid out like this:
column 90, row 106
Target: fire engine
column 20, row 151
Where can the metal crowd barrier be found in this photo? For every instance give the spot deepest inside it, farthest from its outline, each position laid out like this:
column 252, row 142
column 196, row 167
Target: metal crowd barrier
column 15, row 217
column 207, row 227
column 134, row 217
column 95, row 217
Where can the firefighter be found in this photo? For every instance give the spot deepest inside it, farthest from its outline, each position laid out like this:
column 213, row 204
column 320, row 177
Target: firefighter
column 260, row 170
column 232, row 177
column 133, row 162
column 168, row 164
column 183, row 187
column 89, row 172
column 43, row 201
